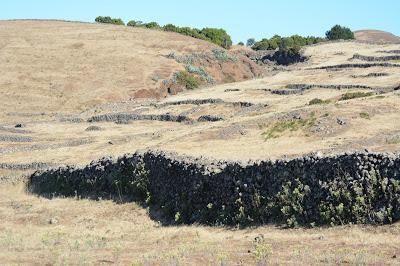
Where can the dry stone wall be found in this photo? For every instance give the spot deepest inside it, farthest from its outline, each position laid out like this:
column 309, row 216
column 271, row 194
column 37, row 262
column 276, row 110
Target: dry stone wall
column 358, row 187
column 375, row 58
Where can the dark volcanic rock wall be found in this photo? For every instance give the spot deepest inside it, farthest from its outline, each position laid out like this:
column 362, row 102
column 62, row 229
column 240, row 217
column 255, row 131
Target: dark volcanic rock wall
column 348, row 188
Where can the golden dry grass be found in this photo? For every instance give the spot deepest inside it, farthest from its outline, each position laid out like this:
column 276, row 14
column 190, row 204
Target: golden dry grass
column 91, row 69
column 38, row 231
column 54, row 66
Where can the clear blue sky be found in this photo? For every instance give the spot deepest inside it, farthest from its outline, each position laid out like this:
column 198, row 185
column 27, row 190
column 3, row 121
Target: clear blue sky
column 242, row 19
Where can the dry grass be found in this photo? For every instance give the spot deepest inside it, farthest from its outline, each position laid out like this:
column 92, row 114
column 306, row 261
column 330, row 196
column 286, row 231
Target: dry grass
column 86, row 69
column 38, row 231
column 54, row 66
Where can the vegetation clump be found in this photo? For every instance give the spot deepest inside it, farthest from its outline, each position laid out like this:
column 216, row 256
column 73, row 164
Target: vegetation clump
column 278, row 128
column 318, row 101
column 354, row 95
column 217, row 36
column 187, row 80
column 278, row 42
column 365, row 115
column 338, row 32
column 109, row 20
column 287, row 56
column 223, row 56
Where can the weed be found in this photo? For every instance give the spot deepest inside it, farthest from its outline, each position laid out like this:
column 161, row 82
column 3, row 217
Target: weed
column 177, row 217
column 393, row 140
column 222, row 258
column 365, row 115
column 262, row 251
column 292, row 125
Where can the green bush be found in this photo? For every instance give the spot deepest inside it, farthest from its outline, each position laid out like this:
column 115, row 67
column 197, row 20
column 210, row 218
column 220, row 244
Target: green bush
column 134, row 23
column 285, row 42
column 287, row 56
column 354, row 95
column 152, row 25
column 338, row 32
column 186, row 79
column 318, row 101
column 250, row 42
column 241, row 43
column 109, row 20
column 217, row 36
column 170, row 27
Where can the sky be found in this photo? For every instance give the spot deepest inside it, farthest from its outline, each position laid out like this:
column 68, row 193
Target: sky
column 241, row 19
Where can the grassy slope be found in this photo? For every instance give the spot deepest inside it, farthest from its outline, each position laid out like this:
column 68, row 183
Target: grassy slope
column 52, row 66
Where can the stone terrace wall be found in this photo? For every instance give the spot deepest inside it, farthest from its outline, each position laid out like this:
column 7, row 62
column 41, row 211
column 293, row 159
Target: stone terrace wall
column 357, row 187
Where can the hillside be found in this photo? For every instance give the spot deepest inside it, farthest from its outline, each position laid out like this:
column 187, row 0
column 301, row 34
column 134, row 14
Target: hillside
column 376, row 36
column 229, row 121
column 55, row 65
column 306, row 145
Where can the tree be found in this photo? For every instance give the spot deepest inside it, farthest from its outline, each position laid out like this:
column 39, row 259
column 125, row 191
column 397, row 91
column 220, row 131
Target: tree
column 152, row 25
column 338, row 32
column 251, row 42
column 218, row 36
column 134, row 23
column 170, row 27
column 109, row 20
column 241, row 43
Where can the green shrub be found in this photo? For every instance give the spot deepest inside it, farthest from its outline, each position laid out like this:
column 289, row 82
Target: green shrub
column 217, row 36
column 223, row 56
column 186, row 79
column 134, row 23
column 241, row 43
column 318, row 101
column 152, row 25
column 287, row 56
column 170, row 27
column 364, row 115
column 109, row 20
column 338, row 32
column 354, row 95
column 200, row 72
column 250, row 42
column 285, row 42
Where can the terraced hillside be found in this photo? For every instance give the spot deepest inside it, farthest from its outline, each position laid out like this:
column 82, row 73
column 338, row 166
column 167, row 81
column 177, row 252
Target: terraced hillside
column 84, row 104
column 357, row 107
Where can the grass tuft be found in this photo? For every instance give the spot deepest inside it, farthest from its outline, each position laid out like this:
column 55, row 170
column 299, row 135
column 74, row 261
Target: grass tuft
column 365, row 115
column 280, row 127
